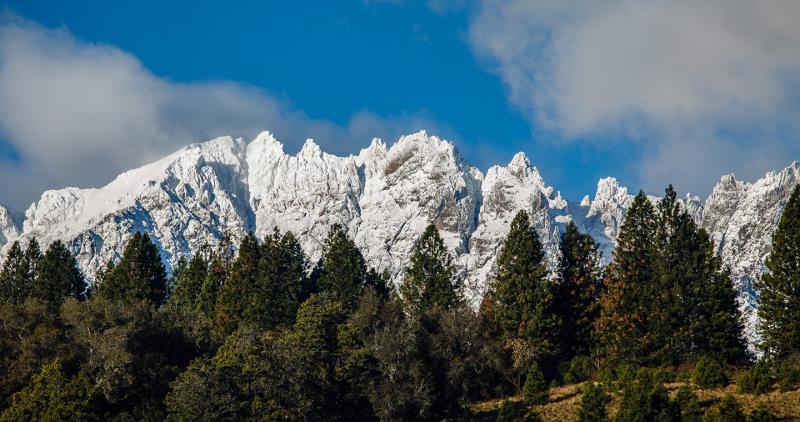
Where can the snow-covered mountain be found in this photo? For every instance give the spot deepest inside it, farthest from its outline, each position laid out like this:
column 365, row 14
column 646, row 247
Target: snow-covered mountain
column 385, row 196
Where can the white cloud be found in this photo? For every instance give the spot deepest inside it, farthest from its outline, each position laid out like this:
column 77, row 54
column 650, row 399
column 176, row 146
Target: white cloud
column 78, row 113
column 716, row 78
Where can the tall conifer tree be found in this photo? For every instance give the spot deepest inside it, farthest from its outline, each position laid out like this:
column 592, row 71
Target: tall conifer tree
column 431, row 280
column 138, row 275
column 236, row 295
column 624, row 322
column 779, row 287
column 14, row 277
column 189, row 282
column 577, row 297
column 281, row 281
column 342, row 270
column 522, row 295
column 59, row 276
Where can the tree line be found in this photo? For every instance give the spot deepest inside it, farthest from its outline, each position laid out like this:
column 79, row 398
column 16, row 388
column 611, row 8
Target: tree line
column 262, row 333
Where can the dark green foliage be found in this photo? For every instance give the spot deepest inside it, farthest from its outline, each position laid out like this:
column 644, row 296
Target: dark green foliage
column 31, row 335
column 189, row 282
column 58, row 276
column 668, row 299
column 577, row 292
column 431, row 280
column 779, row 287
column 728, row 410
column 281, row 283
column 762, row 414
column 139, row 275
column 381, row 283
column 342, row 270
column 624, row 324
column 53, row 395
column 521, row 294
column 509, row 412
column 207, row 299
column 593, row 404
column 756, row 380
column 708, row 373
column 282, row 375
column 578, row 369
column 788, row 374
column 19, row 272
column 688, row 405
column 535, row 389
column 645, row 399
column 237, row 292
column 129, row 353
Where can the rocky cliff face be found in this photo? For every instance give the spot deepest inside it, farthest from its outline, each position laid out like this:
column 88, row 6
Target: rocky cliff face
column 9, row 226
column 383, row 196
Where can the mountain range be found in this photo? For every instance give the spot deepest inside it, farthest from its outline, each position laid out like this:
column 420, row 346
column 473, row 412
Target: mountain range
column 384, row 196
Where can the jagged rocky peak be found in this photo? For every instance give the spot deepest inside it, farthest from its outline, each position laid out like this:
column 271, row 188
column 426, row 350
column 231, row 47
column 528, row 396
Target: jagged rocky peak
column 9, row 226
column 384, row 196
column 420, row 180
column 507, row 190
column 185, row 200
column 305, row 193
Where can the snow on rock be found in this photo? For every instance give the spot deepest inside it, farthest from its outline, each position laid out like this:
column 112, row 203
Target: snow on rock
column 420, row 180
column 507, row 190
column 741, row 218
column 384, row 196
column 9, row 226
column 306, row 193
column 190, row 198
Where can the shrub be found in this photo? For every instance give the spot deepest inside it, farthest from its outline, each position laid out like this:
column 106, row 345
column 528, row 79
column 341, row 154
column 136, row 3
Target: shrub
column 688, row 405
column 756, row 380
column 579, row 369
column 645, row 399
column 615, row 377
column 728, row 410
column 788, row 375
column 509, row 412
column 593, row 404
column 708, row 373
column 535, row 389
column 762, row 414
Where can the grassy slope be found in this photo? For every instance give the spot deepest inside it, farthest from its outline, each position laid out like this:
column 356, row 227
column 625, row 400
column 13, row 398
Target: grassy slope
column 565, row 401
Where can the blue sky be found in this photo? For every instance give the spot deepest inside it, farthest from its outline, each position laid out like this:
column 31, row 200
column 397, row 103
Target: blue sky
column 494, row 79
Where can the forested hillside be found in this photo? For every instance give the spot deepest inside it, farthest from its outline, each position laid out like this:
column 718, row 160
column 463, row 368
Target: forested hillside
column 256, row 331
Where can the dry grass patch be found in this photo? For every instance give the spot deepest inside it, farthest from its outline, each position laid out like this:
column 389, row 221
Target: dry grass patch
column 564, row 402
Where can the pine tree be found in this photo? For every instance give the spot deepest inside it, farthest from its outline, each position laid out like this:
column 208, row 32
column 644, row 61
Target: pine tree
column 593, row 404
column 19, row 272
column 716, row 328
column 236, row 295
column 431, row 280
column 623, row 324
column 138, row 275
column 59, row 276
column 207, row 298
column 280, row 287
column 189, row 282
column 14, row 277
column 779, row 287
column 342, row 269
column 698, row 310
column 578, row 291
column 535, row 389
column 521, row 293
column 33, row 255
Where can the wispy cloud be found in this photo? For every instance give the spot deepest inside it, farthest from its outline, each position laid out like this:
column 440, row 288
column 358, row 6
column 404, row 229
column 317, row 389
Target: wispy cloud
column 76, row 113
column 706, row 87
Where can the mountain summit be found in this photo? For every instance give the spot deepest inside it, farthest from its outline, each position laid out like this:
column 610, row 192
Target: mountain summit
column 384, row 197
